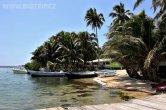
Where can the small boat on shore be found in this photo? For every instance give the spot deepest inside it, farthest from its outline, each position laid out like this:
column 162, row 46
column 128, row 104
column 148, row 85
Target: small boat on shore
column 79, row 75
column 46, row 74
column 108, row 73
column 20, row 70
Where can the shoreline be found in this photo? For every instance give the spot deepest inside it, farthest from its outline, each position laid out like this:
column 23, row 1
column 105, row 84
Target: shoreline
column 129, row 86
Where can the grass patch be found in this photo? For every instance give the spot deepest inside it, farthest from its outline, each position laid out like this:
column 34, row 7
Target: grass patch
column 116, row 65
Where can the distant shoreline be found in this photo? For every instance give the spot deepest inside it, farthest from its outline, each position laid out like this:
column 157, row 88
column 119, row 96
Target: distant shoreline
column 7, row 66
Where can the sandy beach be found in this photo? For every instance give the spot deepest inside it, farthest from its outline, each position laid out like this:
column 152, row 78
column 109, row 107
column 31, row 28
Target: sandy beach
column 132, row 87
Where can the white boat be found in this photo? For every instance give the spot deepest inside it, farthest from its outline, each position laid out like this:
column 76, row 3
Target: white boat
column 46, row 74
column 20, row 70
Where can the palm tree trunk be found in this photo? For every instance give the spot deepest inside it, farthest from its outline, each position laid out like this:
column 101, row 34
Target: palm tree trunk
column 129, row 73
column 98, row 47
column 151, row 65
column 144, row 74
column 85, row 61
column 152, row 61
column 133, row 73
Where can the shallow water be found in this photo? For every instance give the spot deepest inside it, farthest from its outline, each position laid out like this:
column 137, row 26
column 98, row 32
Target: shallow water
column 21, row 92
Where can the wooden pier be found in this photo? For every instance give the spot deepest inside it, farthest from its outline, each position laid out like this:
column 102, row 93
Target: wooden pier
column 157, row 102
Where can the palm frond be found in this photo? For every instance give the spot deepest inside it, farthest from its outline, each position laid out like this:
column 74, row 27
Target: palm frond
column 137, row 3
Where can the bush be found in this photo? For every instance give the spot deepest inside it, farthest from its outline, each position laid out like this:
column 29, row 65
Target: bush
column 33, row 66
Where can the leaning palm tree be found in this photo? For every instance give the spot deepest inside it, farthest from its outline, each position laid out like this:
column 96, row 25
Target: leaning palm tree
column 135, row 41
column 152, row 60
column 157, row 52
column 95, row 20
column 120, row 15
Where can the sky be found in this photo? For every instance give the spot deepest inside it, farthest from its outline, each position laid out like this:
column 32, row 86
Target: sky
column 26, row 24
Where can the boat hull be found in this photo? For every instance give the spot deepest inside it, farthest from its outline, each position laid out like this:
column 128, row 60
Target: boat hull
column 79, row 76
column 19, row 71
column 46, row 74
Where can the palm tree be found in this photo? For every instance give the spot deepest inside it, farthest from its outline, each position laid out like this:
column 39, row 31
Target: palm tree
column 87, row 43
column 66, row 51
column 39, row 56
column 155, row 5
column 157, row 52
column 70, row 52
column 139, row 39
column 95, row 20
column 120, row 15
column 134, row 41
column 152, row 60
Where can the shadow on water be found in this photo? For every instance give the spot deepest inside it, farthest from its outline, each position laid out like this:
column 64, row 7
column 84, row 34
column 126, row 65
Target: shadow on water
column 79, row 84
column 50, row 80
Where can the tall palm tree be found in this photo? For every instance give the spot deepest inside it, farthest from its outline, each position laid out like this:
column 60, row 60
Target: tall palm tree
column 95, row 20
column 120, row 15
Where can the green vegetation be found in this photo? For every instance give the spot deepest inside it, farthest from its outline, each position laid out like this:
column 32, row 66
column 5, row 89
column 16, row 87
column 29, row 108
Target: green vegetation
column 33, row 65
column 116, row 65
column 120, row 15
column 69, row 51
column 161, row 4
column 95, row 20
column 65, row 51
column 137, row 42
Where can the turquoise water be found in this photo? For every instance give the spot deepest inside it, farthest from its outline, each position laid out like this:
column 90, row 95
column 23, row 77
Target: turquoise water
column 21, row 92
column 111, row 72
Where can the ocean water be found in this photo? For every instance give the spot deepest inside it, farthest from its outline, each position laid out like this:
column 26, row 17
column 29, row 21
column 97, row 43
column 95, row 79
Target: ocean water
column 21, row 92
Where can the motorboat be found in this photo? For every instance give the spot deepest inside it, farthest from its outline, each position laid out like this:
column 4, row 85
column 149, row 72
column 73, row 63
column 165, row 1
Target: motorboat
column 79, row 75
column 20, row 70
column 46, row 73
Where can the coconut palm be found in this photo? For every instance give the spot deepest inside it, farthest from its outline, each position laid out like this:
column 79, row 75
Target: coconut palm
column 95, row 20
column 120, row 15
column 157, row 52
column 87, row 43
column 134, row 41
column 140, row 40
column 67, row 51
column 155, row 5
column 71, row 54
column 39, row 56
column 153, row 58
